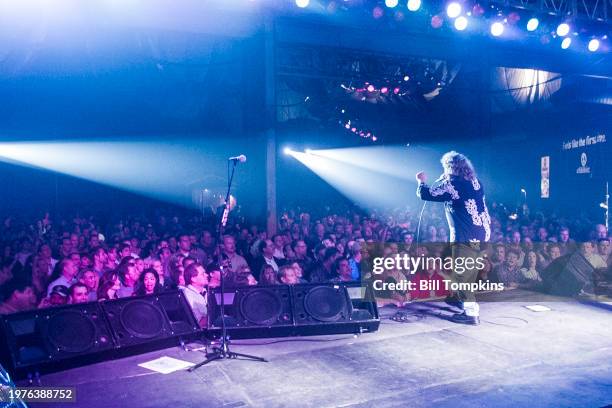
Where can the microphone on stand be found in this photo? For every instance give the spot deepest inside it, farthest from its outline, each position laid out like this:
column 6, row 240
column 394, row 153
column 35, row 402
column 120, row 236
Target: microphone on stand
column 242, row 158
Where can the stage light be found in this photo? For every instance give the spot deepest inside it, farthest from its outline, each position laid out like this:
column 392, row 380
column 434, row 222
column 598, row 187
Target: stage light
column 406, row 78
column 414, row 5
column 497, row 29
column 391, row 3
column 302, row 3
column 563, row 29
column 461, row 23
column 593, row 45
column 374, row 138
column 287, row 150
column 533, row 24
column 566, row 43
column 396, row 91
column 513, row 18
column 477, row 10
column 453, row 10
column 384, row 90
column 378, row 12
column 436, row 21
column 371, row 88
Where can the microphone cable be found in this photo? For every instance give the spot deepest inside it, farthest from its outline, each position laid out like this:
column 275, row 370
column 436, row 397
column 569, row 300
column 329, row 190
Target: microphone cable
column 418, row 235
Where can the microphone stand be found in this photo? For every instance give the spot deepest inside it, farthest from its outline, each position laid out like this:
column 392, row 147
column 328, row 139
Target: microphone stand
column 607, row 208
column 222, row 351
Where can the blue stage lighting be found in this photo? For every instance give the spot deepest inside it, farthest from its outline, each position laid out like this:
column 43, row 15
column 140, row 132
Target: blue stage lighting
column 414, row 5
column 533, row 24
column 566, row 43
column 594, row 45
column 563, row 29
column 497, row 29
column 453, row 10
column 461, row 23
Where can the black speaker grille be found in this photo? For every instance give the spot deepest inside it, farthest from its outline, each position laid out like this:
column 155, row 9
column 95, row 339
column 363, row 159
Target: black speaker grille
column 71, row 331
column 325, row 303
column 261, row 306
column 141, row 319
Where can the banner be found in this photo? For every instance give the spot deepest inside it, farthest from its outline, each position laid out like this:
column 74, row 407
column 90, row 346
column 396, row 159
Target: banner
column 545, row 177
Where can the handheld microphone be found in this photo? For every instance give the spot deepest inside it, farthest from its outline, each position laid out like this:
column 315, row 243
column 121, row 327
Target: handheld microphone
column 241, row 158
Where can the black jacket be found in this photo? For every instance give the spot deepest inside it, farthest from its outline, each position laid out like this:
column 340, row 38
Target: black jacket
column 259, row 263
column 464, row 203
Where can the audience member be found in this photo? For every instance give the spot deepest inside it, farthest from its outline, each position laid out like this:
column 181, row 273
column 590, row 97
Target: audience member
column 129, row 276
column 91, row 280
column 110, row 283
column 68, row 272
column 18, row 296
column 79, row 293
column 287, row 275
column 148, row 283
column 196, row 281
column 267, row 275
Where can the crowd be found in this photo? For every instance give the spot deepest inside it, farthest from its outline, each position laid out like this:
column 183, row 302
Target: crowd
column 59, row 260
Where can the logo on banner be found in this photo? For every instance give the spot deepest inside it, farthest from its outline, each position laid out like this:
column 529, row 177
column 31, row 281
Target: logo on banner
column 545, row 177
column 583, row 169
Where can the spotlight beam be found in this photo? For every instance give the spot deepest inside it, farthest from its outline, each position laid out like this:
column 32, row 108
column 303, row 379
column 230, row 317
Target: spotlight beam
column 153, row 172
column 360, row 185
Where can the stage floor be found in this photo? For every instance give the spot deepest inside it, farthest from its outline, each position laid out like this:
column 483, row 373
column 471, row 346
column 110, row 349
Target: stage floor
column 515, row 358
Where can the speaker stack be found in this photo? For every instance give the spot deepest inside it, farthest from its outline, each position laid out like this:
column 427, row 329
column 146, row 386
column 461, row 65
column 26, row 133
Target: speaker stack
column 58, row 338
column 297, row 310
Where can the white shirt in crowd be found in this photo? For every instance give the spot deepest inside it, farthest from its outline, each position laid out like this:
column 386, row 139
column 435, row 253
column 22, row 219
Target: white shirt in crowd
column 196, row 300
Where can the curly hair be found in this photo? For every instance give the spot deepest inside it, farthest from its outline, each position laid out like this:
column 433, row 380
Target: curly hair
column 456, row 164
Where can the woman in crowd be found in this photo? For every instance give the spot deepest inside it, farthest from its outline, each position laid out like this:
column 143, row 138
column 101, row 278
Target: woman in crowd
column 267, row 276
column 109, row 285
column 530, row 269
column 148, row 283
column 40, row 275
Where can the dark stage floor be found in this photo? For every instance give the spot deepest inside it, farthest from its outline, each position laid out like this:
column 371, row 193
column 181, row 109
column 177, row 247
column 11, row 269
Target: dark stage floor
column 515, row 358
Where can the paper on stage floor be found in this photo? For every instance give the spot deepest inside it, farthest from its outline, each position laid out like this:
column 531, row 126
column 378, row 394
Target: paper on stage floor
column 166, row 365
column 538, row 308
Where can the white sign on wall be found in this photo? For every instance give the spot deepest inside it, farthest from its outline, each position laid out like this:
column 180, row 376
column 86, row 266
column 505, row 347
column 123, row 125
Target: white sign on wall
column 545, row 177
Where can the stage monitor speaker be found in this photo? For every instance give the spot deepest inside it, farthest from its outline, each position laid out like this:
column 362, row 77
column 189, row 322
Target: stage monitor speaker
column 154, row 320
column 568, row 275
column 251, row 311
column 55, row 338
column 330, row 309
column 297, row 310
column 315, row 304
column 365, row 309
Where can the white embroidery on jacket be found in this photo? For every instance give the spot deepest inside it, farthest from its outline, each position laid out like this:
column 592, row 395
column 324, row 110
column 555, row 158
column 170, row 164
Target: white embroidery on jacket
column 479, row 219
column 444, row 187
column 475, row 184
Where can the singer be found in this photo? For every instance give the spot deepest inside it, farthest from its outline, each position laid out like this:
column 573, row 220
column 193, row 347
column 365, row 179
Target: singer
column 468, row 221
